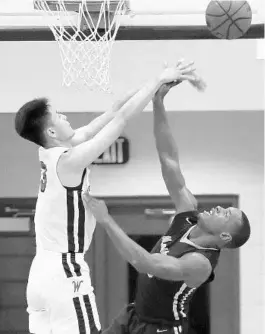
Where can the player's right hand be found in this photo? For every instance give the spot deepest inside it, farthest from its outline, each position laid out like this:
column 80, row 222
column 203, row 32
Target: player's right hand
column 181, row 71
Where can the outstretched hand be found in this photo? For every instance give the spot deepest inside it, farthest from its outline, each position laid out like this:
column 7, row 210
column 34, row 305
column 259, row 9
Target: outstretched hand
column 181, row 71
column 97, row 207
column 192, row 76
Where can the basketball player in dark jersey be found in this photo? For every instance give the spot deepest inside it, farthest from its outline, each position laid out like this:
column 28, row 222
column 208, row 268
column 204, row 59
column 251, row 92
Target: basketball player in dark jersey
column 186, row 255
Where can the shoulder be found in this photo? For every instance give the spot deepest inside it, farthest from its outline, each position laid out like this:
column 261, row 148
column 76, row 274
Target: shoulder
column 196, row 268
column 184, row 220
column 51, row 155
column 68, row 174
column 66, row 166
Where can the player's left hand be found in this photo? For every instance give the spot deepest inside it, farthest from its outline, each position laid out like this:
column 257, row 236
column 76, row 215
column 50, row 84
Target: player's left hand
column 97, row 207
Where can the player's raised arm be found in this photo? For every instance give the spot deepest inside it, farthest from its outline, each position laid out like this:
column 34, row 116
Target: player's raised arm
column 88, row 131
column 80, row 156
column 169, row 156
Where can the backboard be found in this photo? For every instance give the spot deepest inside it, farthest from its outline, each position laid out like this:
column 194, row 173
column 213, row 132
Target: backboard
column 147, row 19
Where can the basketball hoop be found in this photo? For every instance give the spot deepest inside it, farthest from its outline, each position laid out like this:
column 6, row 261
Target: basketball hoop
column 85, row 32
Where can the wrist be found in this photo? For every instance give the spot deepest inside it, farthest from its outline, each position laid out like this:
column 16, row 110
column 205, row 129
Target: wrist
column 107, row 220
column 161, row 80
column 158, row 99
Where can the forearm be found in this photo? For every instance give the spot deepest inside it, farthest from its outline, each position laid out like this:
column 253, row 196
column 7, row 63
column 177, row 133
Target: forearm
column 129, row 250
column 167, row 149
column 118, row 104
column 164, row 140
column 140, row 100
column 132, row 103
column 97, row 124
column 91, row 129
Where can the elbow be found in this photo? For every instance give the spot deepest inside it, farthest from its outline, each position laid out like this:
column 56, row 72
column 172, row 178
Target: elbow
column 169, row 162
column 143, row 267
column 139, row 267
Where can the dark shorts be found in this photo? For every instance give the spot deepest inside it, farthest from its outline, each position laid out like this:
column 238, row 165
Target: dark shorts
column 128, row 322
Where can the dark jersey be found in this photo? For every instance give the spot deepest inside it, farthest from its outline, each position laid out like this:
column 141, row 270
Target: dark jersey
column 168, row 301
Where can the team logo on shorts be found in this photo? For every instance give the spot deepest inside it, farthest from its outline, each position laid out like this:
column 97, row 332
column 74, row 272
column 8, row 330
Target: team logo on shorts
column 77, row 285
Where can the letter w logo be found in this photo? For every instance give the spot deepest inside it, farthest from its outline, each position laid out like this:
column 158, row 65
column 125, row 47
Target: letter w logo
column 77, row 285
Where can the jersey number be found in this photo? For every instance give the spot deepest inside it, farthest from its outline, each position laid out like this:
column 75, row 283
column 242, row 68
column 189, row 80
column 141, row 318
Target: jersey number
column 43, row 178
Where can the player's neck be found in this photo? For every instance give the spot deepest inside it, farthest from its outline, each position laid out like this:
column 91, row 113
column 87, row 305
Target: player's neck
column 58, row 143
column 198, row 237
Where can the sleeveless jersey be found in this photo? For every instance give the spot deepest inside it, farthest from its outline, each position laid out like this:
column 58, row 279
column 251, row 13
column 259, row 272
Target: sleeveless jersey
column 159, row 300
column 61, row 222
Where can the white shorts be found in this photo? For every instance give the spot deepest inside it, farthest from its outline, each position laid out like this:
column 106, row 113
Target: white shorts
column 60, row 295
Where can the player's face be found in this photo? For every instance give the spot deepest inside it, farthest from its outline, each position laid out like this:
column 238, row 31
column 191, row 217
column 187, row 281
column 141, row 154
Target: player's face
column 219, row 220
column 61, row 127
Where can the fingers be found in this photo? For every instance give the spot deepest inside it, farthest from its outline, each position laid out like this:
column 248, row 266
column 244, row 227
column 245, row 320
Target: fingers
column 179, row 62
column 185, row 66
column 181, row 71
column 200, row 86
column 188, row 70
column 185, row 69
column 181, row 66
column 198, row 82
column 186, row 77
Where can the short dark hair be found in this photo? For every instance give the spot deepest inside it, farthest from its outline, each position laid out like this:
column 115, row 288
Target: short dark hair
column 241, row 235
column 31, row 119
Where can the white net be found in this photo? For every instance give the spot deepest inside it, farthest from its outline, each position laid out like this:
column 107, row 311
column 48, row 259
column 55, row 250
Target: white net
column 85, row 40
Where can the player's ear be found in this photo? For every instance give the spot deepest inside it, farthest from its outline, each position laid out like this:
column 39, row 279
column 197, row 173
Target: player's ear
column 226, row 237
column 51, row 132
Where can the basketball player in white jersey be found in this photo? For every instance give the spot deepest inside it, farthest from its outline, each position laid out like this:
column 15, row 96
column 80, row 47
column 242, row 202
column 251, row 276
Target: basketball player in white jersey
column 59, row 292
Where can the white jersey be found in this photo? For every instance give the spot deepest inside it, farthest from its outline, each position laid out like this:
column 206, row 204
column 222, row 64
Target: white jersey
column 61, row 222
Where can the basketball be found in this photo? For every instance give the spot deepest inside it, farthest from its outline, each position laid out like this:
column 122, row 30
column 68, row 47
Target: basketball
column 228, row 19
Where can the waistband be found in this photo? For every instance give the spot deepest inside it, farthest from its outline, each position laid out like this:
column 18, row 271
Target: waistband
column 160, row 322
column 46, row 252
column 73, row 264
